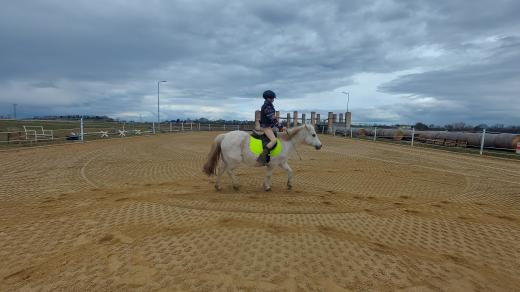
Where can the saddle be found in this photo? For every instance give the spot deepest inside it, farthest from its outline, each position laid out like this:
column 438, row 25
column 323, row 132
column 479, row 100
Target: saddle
column 260, row 135
column 258, row 143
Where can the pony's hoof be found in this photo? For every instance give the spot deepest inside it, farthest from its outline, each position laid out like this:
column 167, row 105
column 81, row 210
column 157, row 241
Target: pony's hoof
column 267, row 189
column 289, row 187
column 236, row 188
column 218, row 188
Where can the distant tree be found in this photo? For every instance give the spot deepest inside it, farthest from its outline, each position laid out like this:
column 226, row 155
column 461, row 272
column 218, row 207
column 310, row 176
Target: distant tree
column 458, row 126
column 421, row 127
column 480, row 127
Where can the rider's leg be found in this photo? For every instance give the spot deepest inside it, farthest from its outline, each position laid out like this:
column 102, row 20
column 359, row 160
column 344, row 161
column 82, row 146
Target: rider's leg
column 263, row 157
column 269, row 133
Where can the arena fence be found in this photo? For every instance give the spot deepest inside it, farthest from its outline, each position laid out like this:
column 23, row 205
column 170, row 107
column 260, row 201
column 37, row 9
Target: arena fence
column 476, row 142
column 27, row 133
column 24, row 133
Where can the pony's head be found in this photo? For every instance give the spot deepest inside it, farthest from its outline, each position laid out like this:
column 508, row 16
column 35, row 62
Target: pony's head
column 311, row 138
column 305, row 134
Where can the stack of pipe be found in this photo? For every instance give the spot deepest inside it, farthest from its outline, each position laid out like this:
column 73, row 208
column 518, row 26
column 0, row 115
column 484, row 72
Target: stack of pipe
column 491, row 140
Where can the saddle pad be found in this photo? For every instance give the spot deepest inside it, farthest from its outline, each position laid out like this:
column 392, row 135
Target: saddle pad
column 255, row 146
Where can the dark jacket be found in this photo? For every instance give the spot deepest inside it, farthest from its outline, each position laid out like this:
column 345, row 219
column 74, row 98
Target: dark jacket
column 268, row 116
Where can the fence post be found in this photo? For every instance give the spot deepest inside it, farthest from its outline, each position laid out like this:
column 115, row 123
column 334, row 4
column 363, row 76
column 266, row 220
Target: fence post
column 330, row 122
column 224, row 127
column 191, row 126
column 258, row 115
column 199, row 127
column 348, row 119
column 375, row 133
column 238, row 127
column 209, row 127
column 81, row 130
column 482, row 141
column 413, row 135
column 350, row 132
column 153, row 127
column 170, row 127
column 182, row 126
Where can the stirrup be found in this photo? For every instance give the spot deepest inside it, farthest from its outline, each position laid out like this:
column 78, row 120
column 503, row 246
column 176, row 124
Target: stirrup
column 264, row 157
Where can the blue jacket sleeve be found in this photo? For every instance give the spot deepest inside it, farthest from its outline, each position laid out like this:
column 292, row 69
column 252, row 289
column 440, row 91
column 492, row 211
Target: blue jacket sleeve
column 268, row 116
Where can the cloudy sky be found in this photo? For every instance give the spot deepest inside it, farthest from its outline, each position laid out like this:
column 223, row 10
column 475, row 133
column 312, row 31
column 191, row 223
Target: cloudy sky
column 438, row 61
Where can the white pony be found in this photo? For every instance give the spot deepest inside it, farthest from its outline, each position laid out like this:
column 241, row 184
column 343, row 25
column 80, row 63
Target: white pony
column 233, row 149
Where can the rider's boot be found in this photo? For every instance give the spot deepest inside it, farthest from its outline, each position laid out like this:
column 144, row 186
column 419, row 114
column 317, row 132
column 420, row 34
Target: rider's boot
column 264, row 158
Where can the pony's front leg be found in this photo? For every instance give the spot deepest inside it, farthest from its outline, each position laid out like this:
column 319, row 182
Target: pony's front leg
column 289, row 171
column 267, row 179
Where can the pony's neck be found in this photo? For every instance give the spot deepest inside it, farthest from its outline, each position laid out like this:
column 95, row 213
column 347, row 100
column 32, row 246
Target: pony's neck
column 296, row 135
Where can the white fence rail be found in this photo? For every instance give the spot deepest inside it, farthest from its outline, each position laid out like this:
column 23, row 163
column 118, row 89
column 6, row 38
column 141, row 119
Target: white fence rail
column 31, row 132
column 481, row 143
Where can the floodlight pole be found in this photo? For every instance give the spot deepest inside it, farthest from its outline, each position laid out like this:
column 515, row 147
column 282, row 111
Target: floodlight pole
column 346, row 114
column 158, row 114
column 348, row 97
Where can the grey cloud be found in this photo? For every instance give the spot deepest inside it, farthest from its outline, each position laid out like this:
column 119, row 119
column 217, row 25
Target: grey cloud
column 486, row 92
column 110, row 54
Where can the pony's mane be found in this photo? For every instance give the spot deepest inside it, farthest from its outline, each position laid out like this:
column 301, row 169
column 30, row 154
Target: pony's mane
column 286, row 136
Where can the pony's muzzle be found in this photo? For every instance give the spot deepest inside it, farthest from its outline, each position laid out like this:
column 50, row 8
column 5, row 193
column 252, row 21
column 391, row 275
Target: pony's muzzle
column 318, row 147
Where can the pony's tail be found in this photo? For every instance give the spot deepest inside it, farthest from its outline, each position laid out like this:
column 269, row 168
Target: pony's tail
column 210, row 167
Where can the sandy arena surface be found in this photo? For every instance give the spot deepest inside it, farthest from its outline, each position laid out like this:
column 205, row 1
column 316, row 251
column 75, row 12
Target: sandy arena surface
column 138, row 214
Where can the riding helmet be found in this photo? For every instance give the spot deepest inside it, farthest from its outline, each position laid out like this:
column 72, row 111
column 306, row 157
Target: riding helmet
column 269, row 94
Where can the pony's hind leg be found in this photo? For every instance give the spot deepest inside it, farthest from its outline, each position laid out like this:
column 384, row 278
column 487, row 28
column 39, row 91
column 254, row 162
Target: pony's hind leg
column 221, row 170
column 234, row 179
